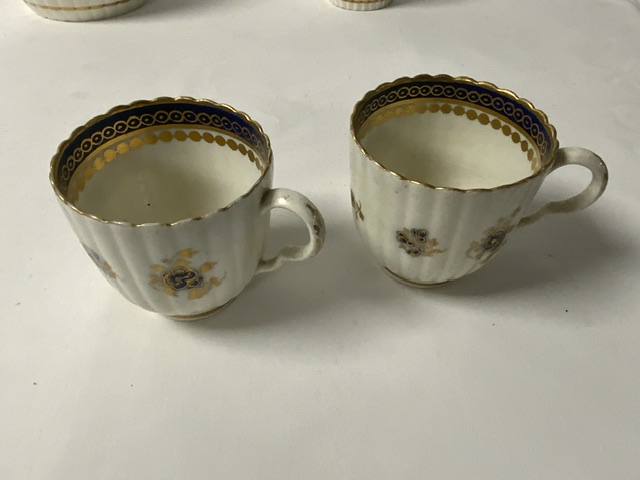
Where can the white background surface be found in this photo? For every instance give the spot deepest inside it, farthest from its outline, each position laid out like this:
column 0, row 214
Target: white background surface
column 529, row 369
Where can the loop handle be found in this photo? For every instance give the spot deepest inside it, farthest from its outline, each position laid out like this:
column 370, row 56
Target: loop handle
column 307, row 211
column 600, row 177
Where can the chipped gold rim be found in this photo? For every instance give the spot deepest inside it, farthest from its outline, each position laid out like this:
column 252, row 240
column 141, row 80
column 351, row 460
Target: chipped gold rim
column 540, row 115
column 55, row 160
column 77, row 9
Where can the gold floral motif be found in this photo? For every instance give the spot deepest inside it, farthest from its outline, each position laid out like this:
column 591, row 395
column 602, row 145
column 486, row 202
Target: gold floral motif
column 363, row 1
column 420, row 106
column 416, row 242
column 478, row 101
column 101, row 263
column 176, row 274
column 357, row 207
column 493, row 238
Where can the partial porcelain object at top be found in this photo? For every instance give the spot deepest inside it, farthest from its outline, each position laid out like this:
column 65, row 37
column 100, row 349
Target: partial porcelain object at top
column 82, row 10
column 361, row 5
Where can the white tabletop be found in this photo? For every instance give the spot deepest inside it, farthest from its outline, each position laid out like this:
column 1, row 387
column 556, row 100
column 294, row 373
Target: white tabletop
column 327, row 369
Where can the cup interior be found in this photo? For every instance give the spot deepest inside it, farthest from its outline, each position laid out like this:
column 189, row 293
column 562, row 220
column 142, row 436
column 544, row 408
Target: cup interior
column 453, row 133
column 161, row 161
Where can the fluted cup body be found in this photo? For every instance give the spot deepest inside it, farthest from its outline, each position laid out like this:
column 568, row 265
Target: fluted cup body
column 171, row 197
column 443, row 169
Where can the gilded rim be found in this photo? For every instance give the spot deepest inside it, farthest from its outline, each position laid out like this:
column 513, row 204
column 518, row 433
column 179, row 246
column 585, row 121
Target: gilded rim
column 77, row 9
column 361, row 5
column 539, row 114
column 201, row 316
column 157, row 101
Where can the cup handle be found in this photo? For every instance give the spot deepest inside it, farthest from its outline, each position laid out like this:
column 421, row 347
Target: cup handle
column 599, row 179
column 307, row 211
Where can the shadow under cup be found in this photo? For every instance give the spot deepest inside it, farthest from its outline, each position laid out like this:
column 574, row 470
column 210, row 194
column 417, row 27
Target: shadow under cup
column 443, row 169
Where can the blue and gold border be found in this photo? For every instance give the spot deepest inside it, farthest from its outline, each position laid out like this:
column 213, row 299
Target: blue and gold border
column 145, row 115
column 463, row 92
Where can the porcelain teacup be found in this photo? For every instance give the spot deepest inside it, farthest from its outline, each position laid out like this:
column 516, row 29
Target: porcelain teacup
column 443, row 170
column 171, row 199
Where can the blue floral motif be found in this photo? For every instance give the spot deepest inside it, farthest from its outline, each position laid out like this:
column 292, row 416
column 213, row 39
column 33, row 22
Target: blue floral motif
column 416, row 242
column 493, row 238
column 182, row 278
column 177, row 274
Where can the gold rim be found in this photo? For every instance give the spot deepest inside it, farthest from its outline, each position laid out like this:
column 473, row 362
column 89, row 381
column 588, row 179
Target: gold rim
column 540, row 115
column 143, row 103
column 411, row 283
column 76, row 9
column 200, row 316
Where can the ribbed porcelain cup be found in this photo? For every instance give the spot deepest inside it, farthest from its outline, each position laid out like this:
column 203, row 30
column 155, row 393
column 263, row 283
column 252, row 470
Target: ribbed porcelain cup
column 82, row 10
column 171, row 199
column 443, row 169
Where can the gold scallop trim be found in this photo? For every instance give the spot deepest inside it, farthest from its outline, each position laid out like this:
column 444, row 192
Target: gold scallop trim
column 417, row 242
column 355, row 123
column 76, row 9
column 136, row 124
column 106, row 155
column 265, row 143
column 481, row 115
column 493, row 239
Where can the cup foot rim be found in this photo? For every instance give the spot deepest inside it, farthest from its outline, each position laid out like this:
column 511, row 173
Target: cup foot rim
column 411, row 283
column 108, row 9
column 202, row 315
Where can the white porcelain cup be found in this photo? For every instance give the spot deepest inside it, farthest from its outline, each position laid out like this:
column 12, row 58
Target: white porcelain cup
column 443, row 170
column 82, row 10
column 171, row 200
column 361, row 5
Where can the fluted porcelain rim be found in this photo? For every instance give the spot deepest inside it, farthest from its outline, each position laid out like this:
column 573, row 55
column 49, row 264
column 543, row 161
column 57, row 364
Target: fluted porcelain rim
column 448, row 78
column 142, row 103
